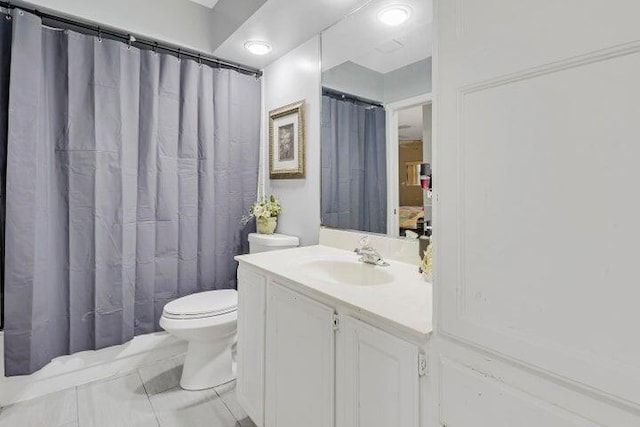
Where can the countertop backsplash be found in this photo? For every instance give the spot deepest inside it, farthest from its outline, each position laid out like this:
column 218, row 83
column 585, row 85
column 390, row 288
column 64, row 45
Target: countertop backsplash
column 393, row 248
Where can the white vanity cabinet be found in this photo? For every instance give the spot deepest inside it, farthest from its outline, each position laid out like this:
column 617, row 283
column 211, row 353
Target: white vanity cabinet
column 302, row 362
column 377, row 377
column 252, row 291
column 299, row 361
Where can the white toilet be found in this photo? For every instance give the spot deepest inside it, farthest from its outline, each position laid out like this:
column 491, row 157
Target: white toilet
column 271, row 242
column 208, row 321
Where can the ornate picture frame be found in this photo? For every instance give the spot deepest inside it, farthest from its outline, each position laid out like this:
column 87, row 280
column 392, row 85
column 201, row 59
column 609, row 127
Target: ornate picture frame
column 287, row 141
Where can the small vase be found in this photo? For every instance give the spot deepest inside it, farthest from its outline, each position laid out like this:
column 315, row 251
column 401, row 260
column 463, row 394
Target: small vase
column 266, row 225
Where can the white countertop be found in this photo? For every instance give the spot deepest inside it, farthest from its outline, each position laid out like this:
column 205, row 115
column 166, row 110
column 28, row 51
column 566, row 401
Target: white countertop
column 406, row 302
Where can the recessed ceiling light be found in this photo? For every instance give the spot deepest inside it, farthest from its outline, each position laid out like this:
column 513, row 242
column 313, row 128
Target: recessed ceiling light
column 394, row 15
column 257, row 47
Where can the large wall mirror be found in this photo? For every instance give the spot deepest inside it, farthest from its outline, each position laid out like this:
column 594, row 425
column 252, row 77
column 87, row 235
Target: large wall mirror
column 376, row 119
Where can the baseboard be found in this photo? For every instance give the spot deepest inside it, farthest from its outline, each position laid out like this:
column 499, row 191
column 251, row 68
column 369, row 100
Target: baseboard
column 87, row 366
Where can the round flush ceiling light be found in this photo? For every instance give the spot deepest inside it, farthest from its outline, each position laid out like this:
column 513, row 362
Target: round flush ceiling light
column 394, row 15
column 257, row 47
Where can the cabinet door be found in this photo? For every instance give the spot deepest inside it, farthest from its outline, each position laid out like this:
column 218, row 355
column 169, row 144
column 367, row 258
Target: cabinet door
column 300, row 361
column 377, row 378
column 251, row 335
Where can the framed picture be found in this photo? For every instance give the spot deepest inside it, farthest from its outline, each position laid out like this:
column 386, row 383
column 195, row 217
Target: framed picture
column 286, row 142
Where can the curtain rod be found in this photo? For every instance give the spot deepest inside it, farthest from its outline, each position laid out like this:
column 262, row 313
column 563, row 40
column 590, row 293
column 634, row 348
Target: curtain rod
column 348, row 97
column 140, row 42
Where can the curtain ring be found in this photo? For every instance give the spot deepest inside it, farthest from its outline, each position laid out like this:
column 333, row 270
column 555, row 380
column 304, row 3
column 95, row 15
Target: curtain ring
column 199, row 60
column 100, row 34
column 8, row 15
column 131, row 40
column 155, row 48
column 179, row 55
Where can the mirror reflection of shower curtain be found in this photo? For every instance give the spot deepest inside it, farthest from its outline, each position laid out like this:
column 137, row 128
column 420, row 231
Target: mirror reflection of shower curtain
column 354, row 166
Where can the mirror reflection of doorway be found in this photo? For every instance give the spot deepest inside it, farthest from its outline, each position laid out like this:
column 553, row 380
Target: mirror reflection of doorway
column 414, row 170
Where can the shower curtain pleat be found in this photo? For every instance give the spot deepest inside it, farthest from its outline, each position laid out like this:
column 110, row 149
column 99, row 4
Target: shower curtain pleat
column 5, row 62
column 128, row 174
column 354, row 169
column 147, row 194
column 374, row 192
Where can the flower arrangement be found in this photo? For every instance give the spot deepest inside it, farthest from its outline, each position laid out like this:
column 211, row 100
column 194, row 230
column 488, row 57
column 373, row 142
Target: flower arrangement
column 426, row 266
column 266, row 208
column 266, row 212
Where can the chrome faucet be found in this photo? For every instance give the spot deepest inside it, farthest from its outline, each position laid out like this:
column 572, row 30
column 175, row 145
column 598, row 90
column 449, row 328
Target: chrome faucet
column 368, row 254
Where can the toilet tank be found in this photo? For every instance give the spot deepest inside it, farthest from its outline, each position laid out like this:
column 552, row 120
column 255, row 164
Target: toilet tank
column 271, row 242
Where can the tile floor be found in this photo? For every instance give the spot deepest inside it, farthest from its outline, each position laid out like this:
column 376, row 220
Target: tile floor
column 147, row 397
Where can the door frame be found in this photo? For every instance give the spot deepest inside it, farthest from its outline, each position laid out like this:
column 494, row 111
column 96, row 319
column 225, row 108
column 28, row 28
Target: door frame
column 393, row 154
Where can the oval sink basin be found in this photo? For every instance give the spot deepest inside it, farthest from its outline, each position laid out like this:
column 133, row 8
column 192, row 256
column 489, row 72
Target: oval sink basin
column 345, row 272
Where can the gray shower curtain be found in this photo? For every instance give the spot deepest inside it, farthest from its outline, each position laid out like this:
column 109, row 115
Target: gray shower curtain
column 354, row 166
column 127, row 175
column 5, row 61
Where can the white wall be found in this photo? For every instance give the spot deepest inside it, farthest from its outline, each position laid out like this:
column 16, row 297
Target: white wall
column 355, row 79
column 403, row 83
column 291, row 78
column 407, row 82
column 427, row 150
column 179, row 22
column 426, row 133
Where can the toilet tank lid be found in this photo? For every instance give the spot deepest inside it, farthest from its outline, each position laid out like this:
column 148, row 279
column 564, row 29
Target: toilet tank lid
column 273, row 239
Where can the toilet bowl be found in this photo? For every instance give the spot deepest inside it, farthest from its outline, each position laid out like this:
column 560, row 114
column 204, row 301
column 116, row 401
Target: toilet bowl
column 208, row 322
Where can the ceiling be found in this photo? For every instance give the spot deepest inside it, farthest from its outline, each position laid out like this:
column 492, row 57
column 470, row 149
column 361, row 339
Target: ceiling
column 402, row 50
column 207, row 3
column 362, row 39
column 410, row 123
column 285, row 24
column 351, row 32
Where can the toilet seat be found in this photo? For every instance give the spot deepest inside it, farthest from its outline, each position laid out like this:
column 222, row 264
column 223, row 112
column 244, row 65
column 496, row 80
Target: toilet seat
column 202, row 305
